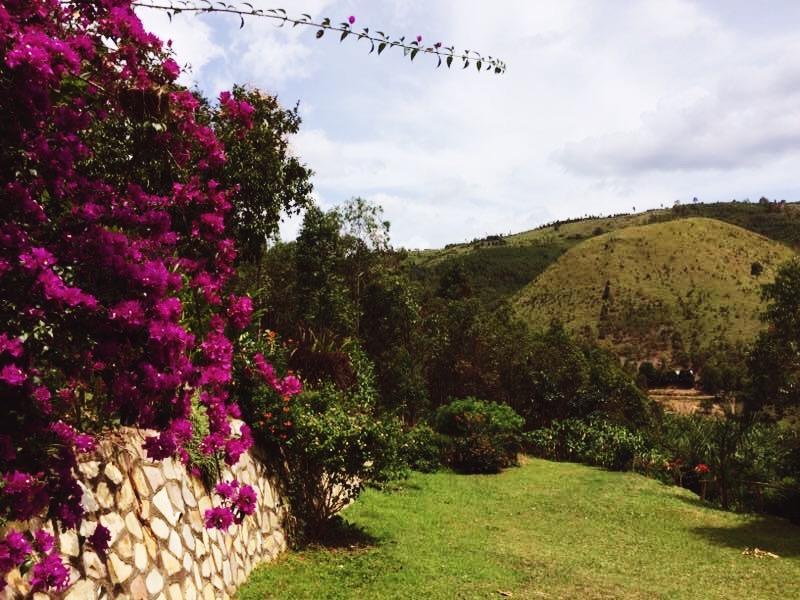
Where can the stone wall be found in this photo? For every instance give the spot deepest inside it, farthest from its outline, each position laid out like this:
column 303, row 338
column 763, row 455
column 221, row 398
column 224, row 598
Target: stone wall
column 160, row 548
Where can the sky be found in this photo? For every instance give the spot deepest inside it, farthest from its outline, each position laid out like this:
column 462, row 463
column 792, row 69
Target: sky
column 605, row 107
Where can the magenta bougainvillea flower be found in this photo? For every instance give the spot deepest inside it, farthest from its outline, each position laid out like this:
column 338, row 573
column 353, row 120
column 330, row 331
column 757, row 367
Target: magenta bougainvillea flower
column 99, row 539
column 49, row 574
column 219, row 517
column 96, row 269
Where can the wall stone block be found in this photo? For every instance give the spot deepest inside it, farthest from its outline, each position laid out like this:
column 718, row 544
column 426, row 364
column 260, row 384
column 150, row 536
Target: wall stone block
column 159, row 548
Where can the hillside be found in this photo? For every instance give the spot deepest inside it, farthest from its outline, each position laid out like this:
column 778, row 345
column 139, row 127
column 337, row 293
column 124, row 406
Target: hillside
column 499, row 266
column 658, row 289
column 545, row 530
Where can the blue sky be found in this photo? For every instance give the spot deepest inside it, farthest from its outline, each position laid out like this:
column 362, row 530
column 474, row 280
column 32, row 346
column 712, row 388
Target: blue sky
column 605, row 106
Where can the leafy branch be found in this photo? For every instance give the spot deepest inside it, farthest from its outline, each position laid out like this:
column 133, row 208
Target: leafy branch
column 378, row 40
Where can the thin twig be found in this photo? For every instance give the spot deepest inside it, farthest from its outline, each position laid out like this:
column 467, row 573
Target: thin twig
column 378, row 41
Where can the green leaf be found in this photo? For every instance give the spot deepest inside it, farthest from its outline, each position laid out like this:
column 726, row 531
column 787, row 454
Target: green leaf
column 320, row 33
column 414, row 53
column 344, row 35
column 381, row 47
column 449, row 61
column 478, row 65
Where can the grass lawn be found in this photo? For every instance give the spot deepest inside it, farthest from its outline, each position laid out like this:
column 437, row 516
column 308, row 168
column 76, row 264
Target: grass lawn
column 545, row 530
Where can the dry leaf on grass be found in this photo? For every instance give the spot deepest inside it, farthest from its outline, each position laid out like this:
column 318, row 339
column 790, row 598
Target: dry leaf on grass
column 758, row 553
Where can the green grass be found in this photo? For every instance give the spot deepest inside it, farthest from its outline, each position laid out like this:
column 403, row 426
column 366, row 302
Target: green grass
column 545, row 530
column 690, row 276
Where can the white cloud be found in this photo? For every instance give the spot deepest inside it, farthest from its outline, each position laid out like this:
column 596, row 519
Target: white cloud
column 604, row 106
column 744, row 117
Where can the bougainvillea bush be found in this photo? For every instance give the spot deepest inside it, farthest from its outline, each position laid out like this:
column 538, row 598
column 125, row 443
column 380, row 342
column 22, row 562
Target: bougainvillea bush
column 326, row 443
column 115, row 262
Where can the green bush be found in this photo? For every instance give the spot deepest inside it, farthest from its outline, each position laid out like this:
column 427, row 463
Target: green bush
column 480, row 437
column 422, row 448
column 337, row 447
column 324, row 445
column 594, row 442
column 783, row 499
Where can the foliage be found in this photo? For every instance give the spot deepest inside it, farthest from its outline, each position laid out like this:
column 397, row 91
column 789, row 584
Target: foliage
column 725, row 371
column 566, row 379
column 115, row 257
column 422, row 448
column 593, row 442
column 324, row 301
column 339, row 281
column 338, row 446
column 776, row 220
column 325, row 443
column 741, row 455
column 480, row 437
column 494, row 273
column 378, row 40
column 266, row 179
column 775, row 359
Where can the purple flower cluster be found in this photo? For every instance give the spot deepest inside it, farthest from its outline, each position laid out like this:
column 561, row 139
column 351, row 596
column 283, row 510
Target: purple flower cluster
column 238, row 501
column 287, row 386
column 48, row 572
column 240, row 111
column 95, row 274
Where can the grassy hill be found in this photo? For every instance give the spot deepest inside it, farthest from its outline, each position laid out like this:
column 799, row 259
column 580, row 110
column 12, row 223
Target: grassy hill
column 656, row 289
column 499, row 266
column 545, row 530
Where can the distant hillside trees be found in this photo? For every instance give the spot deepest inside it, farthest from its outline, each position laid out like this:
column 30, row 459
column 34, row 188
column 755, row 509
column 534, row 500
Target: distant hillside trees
column 775, row 359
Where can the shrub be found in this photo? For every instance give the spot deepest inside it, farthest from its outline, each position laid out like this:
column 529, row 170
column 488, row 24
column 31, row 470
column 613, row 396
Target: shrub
column 422, row 448
column 783, row 499
column 595, row 442
column 326, row 443
column 480, row 437
column 336, row 449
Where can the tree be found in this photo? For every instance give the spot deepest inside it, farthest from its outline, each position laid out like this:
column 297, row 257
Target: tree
column 267, row 180
column 323, row 299
column 775, row 360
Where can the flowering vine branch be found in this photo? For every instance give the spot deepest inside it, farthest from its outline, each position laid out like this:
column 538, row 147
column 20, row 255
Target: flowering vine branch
column 379, row 41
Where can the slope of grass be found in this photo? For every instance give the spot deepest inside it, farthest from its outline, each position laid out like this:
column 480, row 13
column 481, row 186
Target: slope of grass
column 500, row 268
column 545, row 530
column 775, row 221
column 638, row 287
column 561, row 236
column 495, row 273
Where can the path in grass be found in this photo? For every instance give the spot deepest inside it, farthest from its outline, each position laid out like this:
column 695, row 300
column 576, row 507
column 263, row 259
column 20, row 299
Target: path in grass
column 545, row 530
